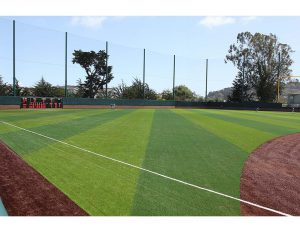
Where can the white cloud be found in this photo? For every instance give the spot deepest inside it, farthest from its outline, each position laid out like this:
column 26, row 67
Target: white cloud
column 248, row 18
column 215, row 21
column 93, row 22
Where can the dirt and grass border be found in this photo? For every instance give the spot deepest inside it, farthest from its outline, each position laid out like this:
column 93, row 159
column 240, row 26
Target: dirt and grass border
column 271, row 177
column 25, row 192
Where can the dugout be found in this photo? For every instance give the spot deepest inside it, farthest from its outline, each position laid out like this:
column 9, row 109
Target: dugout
column 41, row 102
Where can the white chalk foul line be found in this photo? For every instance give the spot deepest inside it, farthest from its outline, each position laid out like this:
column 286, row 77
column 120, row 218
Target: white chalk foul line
column 152, row 172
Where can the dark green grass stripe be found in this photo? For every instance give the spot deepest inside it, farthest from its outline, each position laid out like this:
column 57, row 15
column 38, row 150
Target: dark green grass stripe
column 161, row 197
column 180, row 149
column 59, row 131
column 262, row 126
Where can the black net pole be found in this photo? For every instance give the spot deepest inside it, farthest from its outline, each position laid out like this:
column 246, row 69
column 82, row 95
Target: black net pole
column 106, row 51
column 66, row 64
column 14, row 57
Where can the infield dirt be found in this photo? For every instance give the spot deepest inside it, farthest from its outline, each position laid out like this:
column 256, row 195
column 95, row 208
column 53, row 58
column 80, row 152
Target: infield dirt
column 271, row 177
column 25, row 192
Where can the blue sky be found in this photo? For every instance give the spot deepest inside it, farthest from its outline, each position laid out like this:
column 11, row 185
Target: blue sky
column 40, row 47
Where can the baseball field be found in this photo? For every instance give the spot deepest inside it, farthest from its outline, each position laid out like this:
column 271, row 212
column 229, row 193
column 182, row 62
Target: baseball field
column 144, row 161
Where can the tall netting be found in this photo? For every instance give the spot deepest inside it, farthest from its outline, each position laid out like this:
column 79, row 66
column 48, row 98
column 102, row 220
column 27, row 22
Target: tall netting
column 220, row 76
column 190, row 72
column 6, row 50
column 159, row 71
column 127, row 63
column 39, row 53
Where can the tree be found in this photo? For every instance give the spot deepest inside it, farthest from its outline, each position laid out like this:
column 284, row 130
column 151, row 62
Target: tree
column 3, row 87
column 25, row 91
column 94, row 65
column 241, row 91
column 57, row 92
column 118, row 92
column 183, row 93
column 136, row 91
column 80, row 91
column 167, row 94
column 43, row 89
column 257, row 56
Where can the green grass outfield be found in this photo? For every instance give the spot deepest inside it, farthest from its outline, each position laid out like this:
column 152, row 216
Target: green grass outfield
column 203, row 147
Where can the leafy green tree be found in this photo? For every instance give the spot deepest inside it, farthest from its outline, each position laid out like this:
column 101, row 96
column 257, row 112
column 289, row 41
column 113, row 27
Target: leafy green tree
column 257, row 55
column 58, row 92
column 136, row 90
column 167, row 94
column 94, row 65
column 118, row 92
column 25, row 91
column 80, row 91
column 43, row 89
column 183, row 93
column 10, row 89
column 3, row 87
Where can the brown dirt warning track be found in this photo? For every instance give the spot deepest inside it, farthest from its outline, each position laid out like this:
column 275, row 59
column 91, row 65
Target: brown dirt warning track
column 25, row 192
column 271, row 177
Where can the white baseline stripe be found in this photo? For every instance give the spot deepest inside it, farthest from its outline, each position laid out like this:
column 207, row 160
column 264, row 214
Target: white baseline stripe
column 152, row 172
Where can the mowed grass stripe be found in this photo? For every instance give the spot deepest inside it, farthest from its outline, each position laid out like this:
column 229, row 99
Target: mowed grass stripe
column 294, row 116
column 62, row 130
column 16, row 115
column 124, row 138
column 99, row 186
column 246, row 138
column 179, row 149
column 52, row 119
column 279, row 118
column 249, row 122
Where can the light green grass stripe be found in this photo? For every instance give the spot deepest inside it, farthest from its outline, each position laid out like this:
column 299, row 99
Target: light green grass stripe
column 98, row 186
column 125, row 138
column 250, row 122
column 279, row 118
column 288, row 115
column 50, row 118
column 61, row 130
column 243, row 137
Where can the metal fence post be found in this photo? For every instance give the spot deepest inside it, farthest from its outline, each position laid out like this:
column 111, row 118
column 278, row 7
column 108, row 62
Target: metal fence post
column 14, row 57
column 206, row 74
column 174, row 69
column 278, row 81
column 242, row 99
column 144, row 67
column 106, row 51
column 66, row 64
